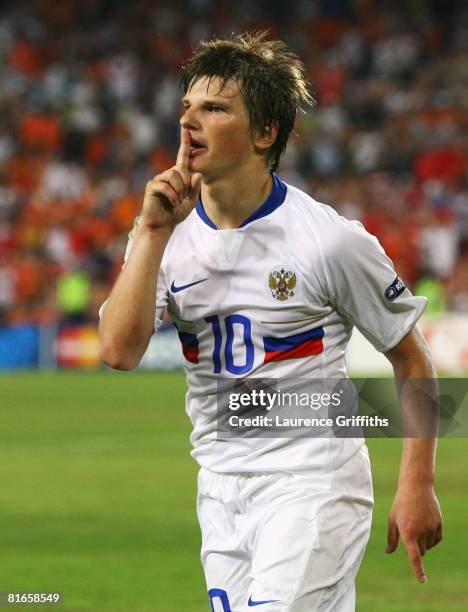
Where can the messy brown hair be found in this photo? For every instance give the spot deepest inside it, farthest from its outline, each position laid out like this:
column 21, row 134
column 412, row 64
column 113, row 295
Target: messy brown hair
column 269, row 75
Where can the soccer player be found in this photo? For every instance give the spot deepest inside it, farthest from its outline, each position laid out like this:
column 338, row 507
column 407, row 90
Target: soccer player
column 263, row 281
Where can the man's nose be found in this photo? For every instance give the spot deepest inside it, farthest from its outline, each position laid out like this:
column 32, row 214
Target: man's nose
column 188, row 119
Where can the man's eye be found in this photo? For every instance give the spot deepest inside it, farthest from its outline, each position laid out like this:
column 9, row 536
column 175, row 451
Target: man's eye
column 215, row 109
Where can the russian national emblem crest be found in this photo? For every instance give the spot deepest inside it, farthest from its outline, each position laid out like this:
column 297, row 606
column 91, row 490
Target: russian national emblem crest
column 282, row 284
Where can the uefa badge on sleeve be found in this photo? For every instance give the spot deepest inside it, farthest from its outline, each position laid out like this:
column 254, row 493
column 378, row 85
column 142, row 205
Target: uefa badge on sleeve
column 395, row 289
column 283, row 283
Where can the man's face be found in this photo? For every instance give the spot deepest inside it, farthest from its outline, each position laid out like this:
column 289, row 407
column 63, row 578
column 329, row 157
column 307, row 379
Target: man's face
column 218, row 123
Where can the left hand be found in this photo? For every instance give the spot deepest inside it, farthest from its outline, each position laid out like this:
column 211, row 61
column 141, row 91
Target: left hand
column 415, row 517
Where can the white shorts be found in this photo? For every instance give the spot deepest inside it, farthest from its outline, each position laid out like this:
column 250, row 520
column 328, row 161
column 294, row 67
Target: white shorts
column 285, row 542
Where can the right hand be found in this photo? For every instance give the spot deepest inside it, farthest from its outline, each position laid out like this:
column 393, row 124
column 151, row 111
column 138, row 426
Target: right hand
column 170, row 196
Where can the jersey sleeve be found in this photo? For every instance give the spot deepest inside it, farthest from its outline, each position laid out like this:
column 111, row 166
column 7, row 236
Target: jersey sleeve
column 161, row 291
column 365, row 289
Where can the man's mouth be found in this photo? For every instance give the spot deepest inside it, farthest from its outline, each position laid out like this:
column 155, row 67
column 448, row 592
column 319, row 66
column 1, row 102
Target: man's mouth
column 196, row 145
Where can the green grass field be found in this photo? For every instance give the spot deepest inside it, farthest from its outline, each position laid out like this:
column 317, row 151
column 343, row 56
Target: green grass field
column 98, row 490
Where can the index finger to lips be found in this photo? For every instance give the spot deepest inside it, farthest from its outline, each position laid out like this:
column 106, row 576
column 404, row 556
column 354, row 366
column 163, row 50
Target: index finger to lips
column 183, row 156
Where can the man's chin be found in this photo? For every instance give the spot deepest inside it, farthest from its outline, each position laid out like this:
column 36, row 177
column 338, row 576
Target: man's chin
column 197, row 165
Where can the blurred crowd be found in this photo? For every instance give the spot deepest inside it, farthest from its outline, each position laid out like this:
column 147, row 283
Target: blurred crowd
column 89, row 110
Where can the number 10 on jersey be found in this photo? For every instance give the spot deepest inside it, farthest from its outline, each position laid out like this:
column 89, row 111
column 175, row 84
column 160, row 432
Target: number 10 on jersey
column 228, row 328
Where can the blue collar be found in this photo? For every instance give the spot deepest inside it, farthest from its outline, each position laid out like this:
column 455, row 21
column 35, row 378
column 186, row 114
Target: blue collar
column 273, row 201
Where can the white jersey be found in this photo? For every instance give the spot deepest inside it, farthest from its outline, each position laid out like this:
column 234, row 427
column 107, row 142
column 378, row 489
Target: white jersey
column 276, row 298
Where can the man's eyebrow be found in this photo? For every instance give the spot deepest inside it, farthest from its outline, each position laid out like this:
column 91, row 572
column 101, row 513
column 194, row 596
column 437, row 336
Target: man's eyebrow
column 210, row 100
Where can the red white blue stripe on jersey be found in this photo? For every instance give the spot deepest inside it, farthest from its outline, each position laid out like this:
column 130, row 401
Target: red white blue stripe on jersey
column 189, row 346
column 294, row 347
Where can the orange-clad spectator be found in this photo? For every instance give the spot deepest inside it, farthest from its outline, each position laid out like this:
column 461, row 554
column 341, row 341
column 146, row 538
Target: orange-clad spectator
column 7, row 241
column 40, row 131
column 329, row 82
column 402, row 251
column 29, row 235
column 160, row 159
column 95, row 149
column 375, row 221
column 328, row 29
column 79, row 238
column 90, row 232
column 60, row 14
column 29, row 277
column 433, row 36
column 26, row 57
column 372, row 25
column 445, row 164
column 99, row 232
column 443, row 115
column 24, row 170
column 124, row 211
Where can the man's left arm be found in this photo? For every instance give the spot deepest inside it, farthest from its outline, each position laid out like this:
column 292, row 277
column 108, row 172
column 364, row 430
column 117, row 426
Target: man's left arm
column 415, row 516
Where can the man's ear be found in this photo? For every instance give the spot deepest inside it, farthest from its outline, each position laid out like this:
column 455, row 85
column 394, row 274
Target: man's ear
column 267, row 137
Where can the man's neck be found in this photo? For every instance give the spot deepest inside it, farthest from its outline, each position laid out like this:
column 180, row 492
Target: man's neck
column 229, row 201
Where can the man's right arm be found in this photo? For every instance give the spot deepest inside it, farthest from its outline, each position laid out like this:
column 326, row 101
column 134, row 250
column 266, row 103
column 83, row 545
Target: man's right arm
column 127, row 321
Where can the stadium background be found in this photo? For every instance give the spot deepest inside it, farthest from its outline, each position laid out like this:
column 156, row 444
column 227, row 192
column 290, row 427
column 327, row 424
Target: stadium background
column 97, row 495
